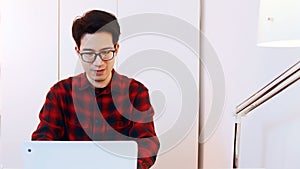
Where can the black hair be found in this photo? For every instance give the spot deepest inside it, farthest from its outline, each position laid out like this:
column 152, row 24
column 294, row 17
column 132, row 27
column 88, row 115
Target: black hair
column 95, row 21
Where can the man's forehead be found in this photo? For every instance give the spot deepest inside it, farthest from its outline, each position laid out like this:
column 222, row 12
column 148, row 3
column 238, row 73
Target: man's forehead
column 97, row 41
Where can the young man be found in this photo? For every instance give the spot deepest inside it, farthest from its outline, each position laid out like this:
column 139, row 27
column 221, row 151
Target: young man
column 99, row 104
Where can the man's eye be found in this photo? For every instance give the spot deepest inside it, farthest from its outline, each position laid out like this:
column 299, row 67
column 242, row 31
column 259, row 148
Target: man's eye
column 105, row 52
column 88, row 54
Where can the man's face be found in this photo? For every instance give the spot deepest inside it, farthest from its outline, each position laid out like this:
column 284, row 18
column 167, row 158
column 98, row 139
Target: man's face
column 98, row 72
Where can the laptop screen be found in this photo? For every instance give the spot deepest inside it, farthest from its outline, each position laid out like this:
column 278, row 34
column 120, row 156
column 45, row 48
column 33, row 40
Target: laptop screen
column 80, row 154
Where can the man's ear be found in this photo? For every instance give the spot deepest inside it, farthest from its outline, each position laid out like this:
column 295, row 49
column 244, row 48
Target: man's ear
column 77, row 50
column 117, row 48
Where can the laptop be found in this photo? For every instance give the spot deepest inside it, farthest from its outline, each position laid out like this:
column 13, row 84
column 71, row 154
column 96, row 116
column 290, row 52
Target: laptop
column 80, row 154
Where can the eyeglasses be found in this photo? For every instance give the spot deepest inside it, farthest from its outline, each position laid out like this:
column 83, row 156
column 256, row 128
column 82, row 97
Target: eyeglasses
column 105, row 55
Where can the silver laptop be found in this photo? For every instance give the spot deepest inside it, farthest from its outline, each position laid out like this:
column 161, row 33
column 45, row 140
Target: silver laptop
column 80, row 155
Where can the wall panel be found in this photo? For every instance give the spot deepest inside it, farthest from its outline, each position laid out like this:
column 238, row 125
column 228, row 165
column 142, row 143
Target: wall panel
column 159, row 46
column 28, row 69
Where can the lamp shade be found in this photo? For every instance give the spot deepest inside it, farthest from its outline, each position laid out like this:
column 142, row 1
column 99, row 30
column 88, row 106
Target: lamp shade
column 279, row 23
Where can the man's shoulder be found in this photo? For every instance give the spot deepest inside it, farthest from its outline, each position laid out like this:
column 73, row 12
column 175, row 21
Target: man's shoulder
column 68, row 82
column 128, row 81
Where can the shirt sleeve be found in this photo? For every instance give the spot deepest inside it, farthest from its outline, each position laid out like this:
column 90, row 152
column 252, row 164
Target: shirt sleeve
column 143, row 129
column 51, row 122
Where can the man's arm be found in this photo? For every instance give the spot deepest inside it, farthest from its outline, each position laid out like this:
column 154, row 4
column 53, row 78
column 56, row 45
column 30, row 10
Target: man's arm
column 51, row 120
column 143, row 129
column 148, row 145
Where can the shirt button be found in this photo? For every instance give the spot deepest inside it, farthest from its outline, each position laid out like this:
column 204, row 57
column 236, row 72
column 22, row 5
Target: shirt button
column 97, row 121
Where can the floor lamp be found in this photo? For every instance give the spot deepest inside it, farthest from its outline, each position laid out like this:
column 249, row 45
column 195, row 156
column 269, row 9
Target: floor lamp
column 279, row 26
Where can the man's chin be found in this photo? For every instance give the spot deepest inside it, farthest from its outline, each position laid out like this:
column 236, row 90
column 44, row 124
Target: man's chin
column 98, row 79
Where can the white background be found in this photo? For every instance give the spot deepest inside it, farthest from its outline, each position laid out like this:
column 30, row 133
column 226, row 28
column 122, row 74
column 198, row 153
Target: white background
column 28, row 68
column 270, row 136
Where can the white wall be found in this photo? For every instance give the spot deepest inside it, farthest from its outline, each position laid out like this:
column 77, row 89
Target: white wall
column 28, row 46
column 164, row 56
column 269, row 134
column 162, row 75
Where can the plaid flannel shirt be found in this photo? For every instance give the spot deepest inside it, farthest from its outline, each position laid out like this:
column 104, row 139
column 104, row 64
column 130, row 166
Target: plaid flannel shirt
column 74, row 110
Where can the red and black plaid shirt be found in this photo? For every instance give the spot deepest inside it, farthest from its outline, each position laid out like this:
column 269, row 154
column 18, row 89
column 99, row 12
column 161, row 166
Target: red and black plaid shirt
column 74, row 110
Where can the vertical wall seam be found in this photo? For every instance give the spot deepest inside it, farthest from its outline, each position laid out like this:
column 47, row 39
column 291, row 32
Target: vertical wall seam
column 117, row 8
column 117, row 14
column 58, row 39
column 200, row 146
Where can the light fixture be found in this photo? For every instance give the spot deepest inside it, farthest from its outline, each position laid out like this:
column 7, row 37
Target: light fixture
column 279, row 23
column 278, row 26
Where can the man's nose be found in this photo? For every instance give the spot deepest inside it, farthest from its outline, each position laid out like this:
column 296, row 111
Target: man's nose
column 98, row 60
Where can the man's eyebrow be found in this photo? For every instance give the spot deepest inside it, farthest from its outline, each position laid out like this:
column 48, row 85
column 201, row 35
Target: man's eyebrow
column 107, row 48
column 88, row 49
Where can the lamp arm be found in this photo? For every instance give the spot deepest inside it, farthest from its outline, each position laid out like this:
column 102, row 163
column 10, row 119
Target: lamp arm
column 280, row 83
column 283, row 81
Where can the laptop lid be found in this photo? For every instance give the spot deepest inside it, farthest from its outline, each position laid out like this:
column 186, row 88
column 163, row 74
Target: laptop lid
column 80, row 154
